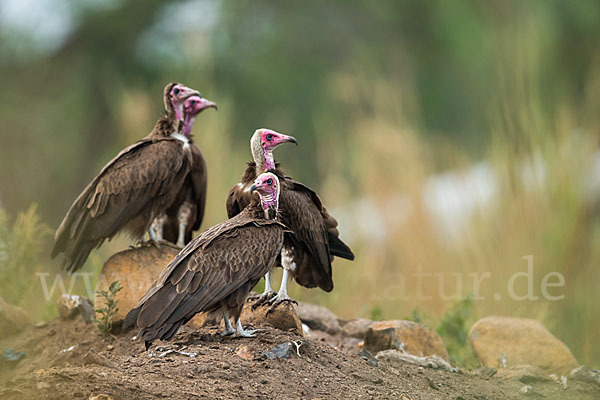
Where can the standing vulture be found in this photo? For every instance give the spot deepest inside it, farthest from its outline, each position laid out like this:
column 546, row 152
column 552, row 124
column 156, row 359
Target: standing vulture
column 184, row 216
column 215, row 271
column 134, row 187
column 307, row 253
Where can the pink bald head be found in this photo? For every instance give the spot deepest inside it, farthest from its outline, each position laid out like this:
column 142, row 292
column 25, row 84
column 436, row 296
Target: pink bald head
column 192, row 106
column 176, row 94
column 262, row 144
column 269, row 139
column 267, row 186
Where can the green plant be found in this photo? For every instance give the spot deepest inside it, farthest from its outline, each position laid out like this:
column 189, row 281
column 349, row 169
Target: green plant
column 110, row 306
column 21, row 244
column 454, row 329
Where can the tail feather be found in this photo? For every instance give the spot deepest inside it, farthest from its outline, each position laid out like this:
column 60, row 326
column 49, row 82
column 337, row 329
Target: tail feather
column 338, row 248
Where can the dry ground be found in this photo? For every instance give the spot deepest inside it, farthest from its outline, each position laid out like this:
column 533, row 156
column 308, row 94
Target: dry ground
column 119, row 367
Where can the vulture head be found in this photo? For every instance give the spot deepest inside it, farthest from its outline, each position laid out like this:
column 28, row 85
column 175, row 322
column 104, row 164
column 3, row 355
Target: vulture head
column 262, row 144
column 267, row 186
column 192, row 106
column 175, row 96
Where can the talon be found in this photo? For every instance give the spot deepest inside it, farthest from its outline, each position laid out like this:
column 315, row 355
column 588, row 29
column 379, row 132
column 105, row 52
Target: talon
column 278, row 300
column 226, row 333
column 244, row 333
column 265, row 298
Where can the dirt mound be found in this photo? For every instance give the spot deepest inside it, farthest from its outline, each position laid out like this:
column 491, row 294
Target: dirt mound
column 73, row 360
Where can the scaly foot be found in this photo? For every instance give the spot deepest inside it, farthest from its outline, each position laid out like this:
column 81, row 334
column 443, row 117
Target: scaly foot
column 264, row 298
column 245, row 333
column 279, row 299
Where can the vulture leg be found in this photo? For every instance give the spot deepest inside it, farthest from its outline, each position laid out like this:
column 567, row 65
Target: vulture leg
column 228, row 328
column 267, row 295
column 183, row 216
column 288, row 265
column 242, row 332
column 152, row 234
column 157, row 227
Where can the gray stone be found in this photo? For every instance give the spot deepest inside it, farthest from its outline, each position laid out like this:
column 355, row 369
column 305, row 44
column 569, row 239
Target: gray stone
column 318, row 318
column 283, row 350
column 357, row 327
column 586, row 374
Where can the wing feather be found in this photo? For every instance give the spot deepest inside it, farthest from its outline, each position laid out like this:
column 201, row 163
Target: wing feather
column 128, row 185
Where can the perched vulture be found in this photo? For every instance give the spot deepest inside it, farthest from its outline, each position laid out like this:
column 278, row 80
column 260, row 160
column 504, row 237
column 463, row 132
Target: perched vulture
column 142, row 181
column 215, row 271
column 184, row 216
column 307, row 253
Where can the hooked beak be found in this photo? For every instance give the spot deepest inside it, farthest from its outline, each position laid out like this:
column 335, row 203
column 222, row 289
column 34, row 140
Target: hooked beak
column 292, row 139
column 253, row 188
column 208, row 104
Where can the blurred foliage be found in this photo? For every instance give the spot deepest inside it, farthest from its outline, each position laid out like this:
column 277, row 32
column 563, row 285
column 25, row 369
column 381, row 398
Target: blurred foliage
column 454, row 329
column 21, row 245
column 383, row 96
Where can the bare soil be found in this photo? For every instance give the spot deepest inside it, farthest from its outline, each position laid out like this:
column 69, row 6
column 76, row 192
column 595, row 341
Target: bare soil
column 73, row 360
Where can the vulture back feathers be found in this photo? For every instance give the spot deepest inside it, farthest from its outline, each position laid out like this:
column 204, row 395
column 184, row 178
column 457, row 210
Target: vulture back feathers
column 141, row 181
column 315, row 239
column 215, row 271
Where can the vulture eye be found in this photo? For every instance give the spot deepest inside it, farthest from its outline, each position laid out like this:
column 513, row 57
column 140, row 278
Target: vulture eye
column 176, row 90
column 269, row 181
column 269, row 137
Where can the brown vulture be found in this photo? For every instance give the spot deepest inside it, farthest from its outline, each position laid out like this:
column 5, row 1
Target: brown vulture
column 184, row 216
column 215, row 271
column 142, row 181
column 307, row 253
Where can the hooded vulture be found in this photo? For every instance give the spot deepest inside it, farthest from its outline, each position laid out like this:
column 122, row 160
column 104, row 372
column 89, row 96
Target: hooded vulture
column 308, row 252
column 142, row 181
column 184, row 216
column 215, row 271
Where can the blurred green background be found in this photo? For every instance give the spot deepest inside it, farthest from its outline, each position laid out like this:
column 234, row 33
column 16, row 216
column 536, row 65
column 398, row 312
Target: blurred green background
column 452, row 137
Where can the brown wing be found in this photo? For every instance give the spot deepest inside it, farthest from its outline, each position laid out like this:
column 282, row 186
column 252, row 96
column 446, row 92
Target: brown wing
column 337, row 247
column 309, row 241
column 239, row 197
column 126, row 194
column 199, row 179
column 210, row 268
column 194, row 193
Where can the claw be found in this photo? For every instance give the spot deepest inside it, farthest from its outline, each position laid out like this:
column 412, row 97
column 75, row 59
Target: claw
column 244, row 333
column 226, row 333
column 278, row 300
column 157, row 244
column 264, row 298
column 228, row 328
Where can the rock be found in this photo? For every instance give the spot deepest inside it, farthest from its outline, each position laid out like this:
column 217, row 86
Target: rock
column 136, row 270
column 527, row 389
column 13, row 355
column 524, row 373
column 486, row 372
column 91, row 357
column 586, row 374
column 318, row 318
column 434, row 362
column 283, row 350
column 42, row 385
column 246, row 352
column 70, row 305
column 100, row 397
column 504, row 341
column 368, row 357
column 13, row 319
column 356, row 327
column 283, row 317
column 406, row 336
